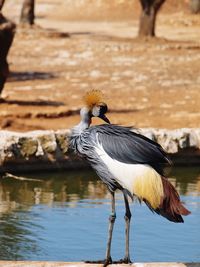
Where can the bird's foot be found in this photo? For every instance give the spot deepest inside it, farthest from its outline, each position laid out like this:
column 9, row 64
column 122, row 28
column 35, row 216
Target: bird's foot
column 125, row 260
column 105, row 262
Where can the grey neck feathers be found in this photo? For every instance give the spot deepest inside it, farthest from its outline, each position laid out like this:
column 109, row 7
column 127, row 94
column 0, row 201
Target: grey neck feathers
column 84, row 123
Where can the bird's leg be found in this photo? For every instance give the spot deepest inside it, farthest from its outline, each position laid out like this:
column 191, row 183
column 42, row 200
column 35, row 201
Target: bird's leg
column 127, row 218
column 112, row 218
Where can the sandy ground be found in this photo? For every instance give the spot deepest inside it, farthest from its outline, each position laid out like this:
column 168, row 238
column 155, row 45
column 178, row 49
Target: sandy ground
column 151, row 83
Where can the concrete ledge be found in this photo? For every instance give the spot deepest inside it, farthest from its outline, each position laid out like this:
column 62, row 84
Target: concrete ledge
column 82, row 264
column 40, row 150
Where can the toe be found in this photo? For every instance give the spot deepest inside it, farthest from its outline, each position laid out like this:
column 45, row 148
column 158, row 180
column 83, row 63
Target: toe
column 107, row 262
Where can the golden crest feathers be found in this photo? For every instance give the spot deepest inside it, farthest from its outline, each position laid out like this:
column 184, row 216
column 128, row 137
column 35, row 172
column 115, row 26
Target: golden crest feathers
column 92, row 98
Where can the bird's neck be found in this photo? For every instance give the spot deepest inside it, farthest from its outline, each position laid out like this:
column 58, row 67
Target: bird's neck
column 84, row 124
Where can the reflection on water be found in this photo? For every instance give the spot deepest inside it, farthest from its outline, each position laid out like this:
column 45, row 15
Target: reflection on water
column 54, row 187
column 64, row 217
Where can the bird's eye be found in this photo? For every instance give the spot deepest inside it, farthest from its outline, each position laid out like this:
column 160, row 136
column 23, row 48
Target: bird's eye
column 99, row 110
column 103, row 108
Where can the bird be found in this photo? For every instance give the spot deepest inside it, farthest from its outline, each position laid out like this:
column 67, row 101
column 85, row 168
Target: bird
column 128, row 161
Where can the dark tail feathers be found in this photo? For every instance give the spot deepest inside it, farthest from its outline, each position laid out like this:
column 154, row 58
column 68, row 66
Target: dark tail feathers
column 171, row 207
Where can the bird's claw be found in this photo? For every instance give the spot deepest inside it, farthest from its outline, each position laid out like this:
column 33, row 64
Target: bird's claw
column 125, row 260
column 105, row 262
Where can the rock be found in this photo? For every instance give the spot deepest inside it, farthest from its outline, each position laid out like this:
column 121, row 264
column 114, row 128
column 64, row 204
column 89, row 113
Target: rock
column 48, row 142
column 49, row 150
column 194, row 138
column 62, row 140
column 27, row 146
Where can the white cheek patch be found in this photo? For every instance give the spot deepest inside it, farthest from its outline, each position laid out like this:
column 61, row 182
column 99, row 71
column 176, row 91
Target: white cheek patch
column 95, row 111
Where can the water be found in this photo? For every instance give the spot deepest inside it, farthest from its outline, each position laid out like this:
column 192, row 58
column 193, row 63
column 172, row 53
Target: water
column 64, row 218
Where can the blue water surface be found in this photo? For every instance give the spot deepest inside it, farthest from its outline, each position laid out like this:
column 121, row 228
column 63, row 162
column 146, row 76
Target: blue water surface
column 64, row 217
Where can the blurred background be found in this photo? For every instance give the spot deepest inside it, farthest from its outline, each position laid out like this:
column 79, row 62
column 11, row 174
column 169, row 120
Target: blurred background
column 148, row 73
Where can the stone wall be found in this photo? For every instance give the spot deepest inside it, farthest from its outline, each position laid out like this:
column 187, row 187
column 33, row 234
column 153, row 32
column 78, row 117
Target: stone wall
column 40, row 150
column 37, row 150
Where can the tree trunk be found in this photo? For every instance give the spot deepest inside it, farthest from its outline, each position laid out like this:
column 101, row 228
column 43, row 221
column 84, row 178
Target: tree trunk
column 150, row 9
column 195, row 6
column 1, row 4
column 7, row 32
column 27, row 14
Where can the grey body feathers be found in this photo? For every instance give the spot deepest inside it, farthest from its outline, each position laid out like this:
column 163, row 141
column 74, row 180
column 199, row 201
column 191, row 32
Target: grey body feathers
column 121, row 144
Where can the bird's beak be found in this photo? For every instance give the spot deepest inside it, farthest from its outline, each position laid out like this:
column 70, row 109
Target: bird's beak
column 103, row 117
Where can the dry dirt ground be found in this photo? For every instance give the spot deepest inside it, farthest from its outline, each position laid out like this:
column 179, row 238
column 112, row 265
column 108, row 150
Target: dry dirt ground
column 146, row 83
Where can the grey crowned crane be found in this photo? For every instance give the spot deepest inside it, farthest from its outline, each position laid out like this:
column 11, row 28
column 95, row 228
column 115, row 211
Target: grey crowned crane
column 127, row 161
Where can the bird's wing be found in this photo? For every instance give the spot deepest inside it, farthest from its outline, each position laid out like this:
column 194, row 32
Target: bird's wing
column 126, row 146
